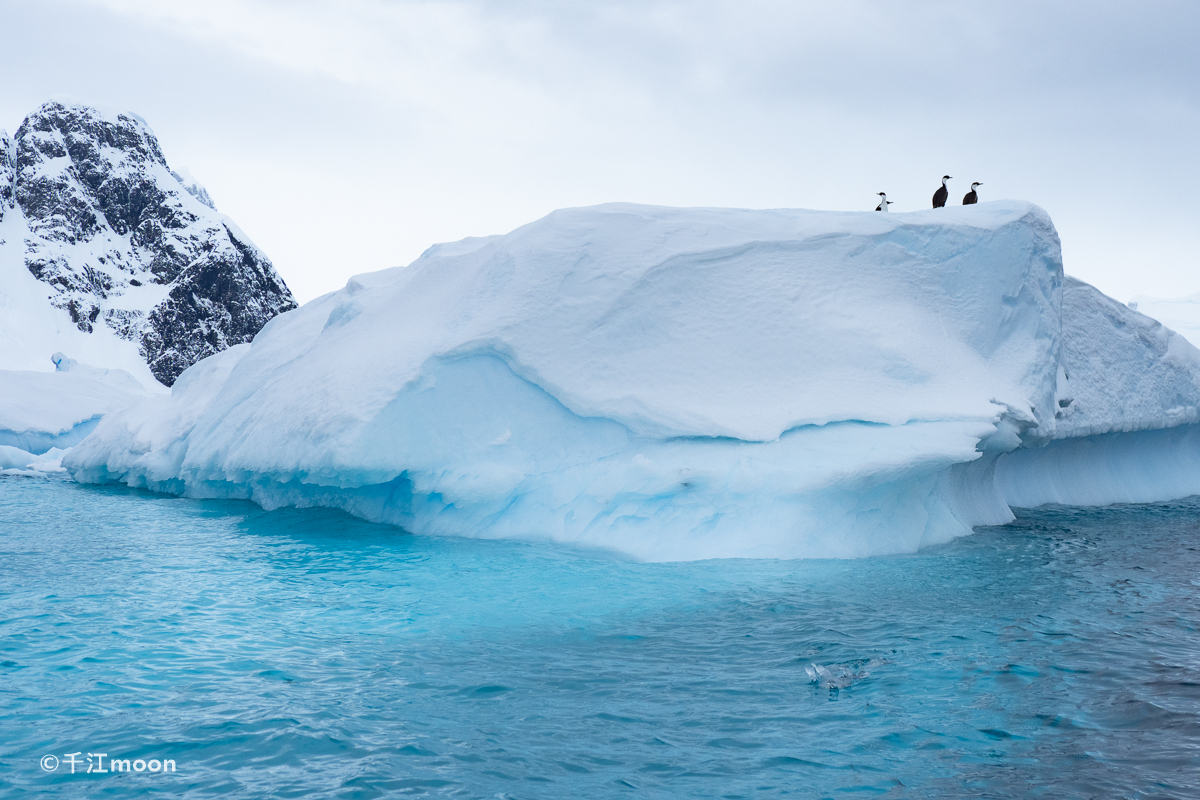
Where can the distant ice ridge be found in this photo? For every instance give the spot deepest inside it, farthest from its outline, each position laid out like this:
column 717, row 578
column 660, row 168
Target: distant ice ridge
column 677, row 384
column 43, row 414
column 1180, row 314
column 1122, row 370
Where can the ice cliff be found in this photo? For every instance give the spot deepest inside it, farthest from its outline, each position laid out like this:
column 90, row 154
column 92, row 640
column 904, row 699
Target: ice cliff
column 109, row 256
column 1127, row 428
column 676, row 384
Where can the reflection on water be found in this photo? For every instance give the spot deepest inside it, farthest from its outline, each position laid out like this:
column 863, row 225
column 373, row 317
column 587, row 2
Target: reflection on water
column 297, row 653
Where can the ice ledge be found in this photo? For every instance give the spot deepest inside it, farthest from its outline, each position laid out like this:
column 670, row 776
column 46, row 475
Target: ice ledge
column 1145, row 466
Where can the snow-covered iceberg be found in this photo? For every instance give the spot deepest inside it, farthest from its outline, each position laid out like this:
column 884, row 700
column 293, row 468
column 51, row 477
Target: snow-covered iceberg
column 671, row 383
column 46, row 412
column 1127, row 430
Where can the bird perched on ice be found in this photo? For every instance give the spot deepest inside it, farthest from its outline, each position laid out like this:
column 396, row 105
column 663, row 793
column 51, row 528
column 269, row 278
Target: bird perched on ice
column 883, row 202
column 971, row 198
column 939, row 197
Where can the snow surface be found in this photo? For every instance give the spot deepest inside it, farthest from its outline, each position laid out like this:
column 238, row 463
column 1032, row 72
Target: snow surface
column 675, row 384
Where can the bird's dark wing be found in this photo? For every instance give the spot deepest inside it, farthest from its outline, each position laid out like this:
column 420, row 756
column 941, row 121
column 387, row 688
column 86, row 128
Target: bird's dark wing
column 970, row 198
column 939, row 197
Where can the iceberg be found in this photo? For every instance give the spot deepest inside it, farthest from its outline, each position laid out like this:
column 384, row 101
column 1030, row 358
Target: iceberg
column 47, row 412
column 681, row 384
column 1130, row 402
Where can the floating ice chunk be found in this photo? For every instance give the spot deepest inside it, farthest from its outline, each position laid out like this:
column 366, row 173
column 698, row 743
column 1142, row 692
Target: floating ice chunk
column 15, row 458
column 14, row 461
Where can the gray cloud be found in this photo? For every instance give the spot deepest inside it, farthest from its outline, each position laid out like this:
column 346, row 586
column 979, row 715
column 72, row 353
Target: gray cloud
column 348, row 136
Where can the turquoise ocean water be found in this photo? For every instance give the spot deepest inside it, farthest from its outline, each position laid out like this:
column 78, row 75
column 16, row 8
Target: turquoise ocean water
column 309, row 654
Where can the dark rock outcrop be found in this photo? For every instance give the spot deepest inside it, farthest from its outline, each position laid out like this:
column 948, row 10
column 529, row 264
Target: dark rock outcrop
column 125, row 242
column 8, row 174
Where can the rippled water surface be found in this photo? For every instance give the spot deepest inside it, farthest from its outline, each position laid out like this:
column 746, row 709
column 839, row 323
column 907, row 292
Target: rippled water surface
column 306, row 653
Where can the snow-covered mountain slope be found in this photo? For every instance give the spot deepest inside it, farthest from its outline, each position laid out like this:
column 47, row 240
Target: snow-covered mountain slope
column 32, row 330
column 110, row 257
column 8, row 175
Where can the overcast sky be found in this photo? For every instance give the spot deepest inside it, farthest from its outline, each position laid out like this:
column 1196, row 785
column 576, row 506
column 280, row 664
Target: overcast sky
column 345, row 137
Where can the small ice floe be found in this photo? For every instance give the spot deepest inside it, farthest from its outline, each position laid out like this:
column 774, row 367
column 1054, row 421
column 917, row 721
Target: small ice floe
column 839, row 676
column 15, row 461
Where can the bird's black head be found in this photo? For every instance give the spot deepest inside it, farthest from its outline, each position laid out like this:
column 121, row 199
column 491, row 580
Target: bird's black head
column 879, row 193
column 945, row 177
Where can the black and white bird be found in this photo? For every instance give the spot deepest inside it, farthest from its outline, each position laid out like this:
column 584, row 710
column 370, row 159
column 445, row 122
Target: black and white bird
column 939, row 197
column 971, row 198
column 883, row 202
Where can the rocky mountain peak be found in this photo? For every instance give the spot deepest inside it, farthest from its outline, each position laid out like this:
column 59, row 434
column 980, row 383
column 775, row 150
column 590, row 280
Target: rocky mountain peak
column 80, row 172
column 123, row 241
